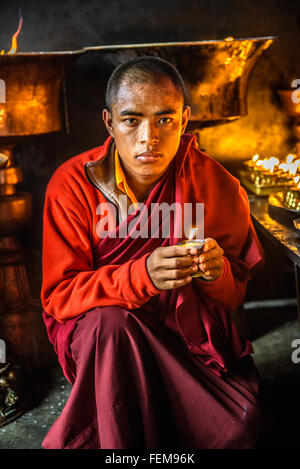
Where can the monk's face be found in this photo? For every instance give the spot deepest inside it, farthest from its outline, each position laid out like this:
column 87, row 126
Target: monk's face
column 146, row 123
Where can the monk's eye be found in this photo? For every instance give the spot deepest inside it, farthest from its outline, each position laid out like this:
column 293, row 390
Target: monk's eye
column 130, row 121
column 165, row 120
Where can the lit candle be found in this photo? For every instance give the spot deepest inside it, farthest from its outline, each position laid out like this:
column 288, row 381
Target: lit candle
column 194, row 243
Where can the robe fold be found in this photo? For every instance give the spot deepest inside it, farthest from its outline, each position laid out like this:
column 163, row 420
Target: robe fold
column 85, row 276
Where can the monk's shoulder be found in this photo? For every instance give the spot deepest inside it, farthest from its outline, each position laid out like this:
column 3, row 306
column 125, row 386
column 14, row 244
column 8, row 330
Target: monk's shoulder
column 72, row 168
column 212, row 169
column 69, row 183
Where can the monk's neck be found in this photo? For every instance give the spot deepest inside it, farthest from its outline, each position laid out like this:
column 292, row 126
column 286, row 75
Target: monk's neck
column 140, row 188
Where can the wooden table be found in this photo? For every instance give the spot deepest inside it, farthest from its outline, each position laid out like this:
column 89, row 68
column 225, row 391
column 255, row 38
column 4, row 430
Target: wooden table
column 283, row 238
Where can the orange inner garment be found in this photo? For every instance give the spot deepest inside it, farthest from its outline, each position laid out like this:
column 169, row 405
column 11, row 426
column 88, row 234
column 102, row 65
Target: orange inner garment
column 121, row 180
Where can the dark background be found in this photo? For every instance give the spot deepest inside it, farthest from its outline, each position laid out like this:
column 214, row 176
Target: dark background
column 70, row 25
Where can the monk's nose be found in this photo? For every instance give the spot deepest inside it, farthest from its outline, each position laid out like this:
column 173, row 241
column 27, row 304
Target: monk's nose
column 149, row 134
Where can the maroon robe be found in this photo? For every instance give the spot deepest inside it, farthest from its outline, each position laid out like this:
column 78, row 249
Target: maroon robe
column 175, row 371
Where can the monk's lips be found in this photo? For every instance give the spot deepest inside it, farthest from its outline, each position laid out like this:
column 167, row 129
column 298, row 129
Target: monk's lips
column 148, row 158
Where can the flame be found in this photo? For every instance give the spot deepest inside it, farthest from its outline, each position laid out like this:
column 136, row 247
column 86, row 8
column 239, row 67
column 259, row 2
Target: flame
column 267, row 163
column 192, row 233
column 290, row 158
column 13, row 48
column 290, row 166
column 297, row 181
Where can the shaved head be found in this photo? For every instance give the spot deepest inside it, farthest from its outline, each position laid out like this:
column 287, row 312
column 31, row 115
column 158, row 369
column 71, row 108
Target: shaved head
column 142, row 70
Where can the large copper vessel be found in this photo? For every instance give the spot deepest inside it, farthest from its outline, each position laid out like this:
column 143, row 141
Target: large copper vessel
column 216, row 73
column 33, row 90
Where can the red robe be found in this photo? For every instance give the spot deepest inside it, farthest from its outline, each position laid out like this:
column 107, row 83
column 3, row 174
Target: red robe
column 82, row 272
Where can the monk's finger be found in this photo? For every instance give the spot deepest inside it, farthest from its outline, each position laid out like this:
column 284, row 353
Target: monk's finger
column 160, row 275
column 210, row 243
column 213, row 273
column 214, row 253
column 179, row 262
column 211, row 264
column 174, row 274
column 173, row 251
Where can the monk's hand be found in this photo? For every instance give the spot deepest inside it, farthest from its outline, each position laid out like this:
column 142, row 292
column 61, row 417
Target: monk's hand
column 171, row 266
column 211, row 260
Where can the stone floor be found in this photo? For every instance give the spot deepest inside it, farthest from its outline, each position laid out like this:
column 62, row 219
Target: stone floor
column 271, row 333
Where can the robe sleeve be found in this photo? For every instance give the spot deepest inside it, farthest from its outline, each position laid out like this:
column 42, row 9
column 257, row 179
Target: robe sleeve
column 70, row 283
column 227, row 289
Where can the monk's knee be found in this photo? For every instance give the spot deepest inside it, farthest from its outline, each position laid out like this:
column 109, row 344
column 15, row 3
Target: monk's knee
column 113, row 321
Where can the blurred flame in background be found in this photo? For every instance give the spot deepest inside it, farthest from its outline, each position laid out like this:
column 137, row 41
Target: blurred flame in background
column 289, row 167
column 13, row 48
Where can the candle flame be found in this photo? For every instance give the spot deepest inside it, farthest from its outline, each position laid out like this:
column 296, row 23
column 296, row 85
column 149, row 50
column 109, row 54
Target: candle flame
column 268, row 163
column 289, row 168
column 290, row 158
column 192, row 233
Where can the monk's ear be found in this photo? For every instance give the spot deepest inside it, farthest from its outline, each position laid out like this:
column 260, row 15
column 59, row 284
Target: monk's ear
column 186, row 113
column 107, row 118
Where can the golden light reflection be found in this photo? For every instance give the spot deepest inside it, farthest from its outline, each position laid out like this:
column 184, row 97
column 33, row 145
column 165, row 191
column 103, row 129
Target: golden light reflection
column 2, row 116
column 219, row 86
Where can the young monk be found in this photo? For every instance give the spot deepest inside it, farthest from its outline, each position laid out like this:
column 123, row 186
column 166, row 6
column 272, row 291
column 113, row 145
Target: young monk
column 152, row 353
